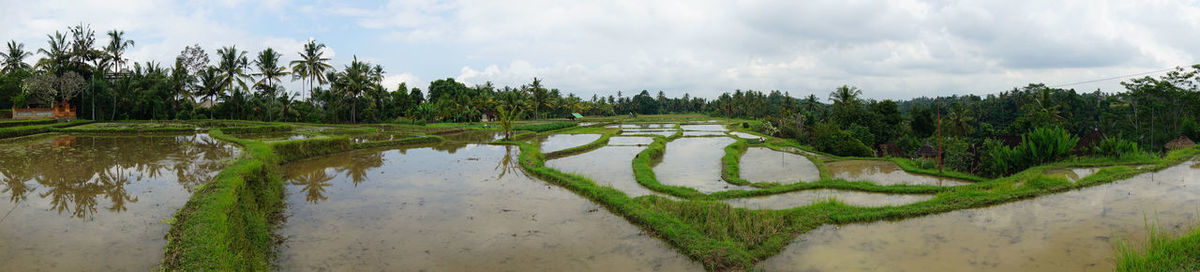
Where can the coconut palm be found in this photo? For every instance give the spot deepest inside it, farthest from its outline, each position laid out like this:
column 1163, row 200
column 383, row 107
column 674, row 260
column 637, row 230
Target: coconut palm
column 845, row 94
column 269, row 69
column 312, row 65
column 57, row 53
column 233, row 67
column 209, row 84
column 354, row 81
column 14, row 59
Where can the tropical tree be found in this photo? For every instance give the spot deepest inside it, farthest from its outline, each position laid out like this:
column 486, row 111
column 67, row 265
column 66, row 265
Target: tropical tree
column 354, row 81
column 539, row 94
column 117, row 45
column 14, row 58
column 209, row 84
column 269, row 70
column 57, row 53
column 312, row 65
column 233, row 67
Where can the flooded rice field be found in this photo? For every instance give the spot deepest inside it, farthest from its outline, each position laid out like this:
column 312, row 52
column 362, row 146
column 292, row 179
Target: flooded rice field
column 695, row 163
column 1071, row 231
column 802, row 198
column 608, row 165
column 763, row 164
column 97, row 203
column 744, row 135
column 884, row 173
column 630, row 140
column 556, row 142
column 703, row 127
column 695, row 133
column 471, row 209
column 1071, row 174
column 665, row 133
column 272, row 136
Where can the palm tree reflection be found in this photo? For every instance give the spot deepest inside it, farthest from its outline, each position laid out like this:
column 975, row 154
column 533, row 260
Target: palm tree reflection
column 314, row 184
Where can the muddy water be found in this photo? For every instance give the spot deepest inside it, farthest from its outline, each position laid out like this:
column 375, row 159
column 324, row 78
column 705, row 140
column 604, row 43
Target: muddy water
column 1072, row 231
column 802, row 198
column 630, row 140
column 764, row 164
column 695, row 163
column 610, row 165
column 556, row 142
column 703, row 133
column 90, row 203
column 424, row 209
column 884, row 173
column 1071, row 174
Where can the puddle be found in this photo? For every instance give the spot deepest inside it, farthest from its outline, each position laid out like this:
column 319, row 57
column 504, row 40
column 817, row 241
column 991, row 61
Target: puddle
column 630, row 141
column 703, row 127
column 272, row 136
column 764, row 164
column 609, row 165
column 1071, row 174
column 1071, row 231
column 702, row 133
column 75, row 203
column 556, row 142
column 802, row 198
column 744, row 135
column 471, row 210
column 884, row 173
column 695, row 163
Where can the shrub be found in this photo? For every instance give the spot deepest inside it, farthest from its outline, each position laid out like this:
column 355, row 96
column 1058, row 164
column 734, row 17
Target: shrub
column 828, row 138
column 1039, row 146
column 1115, row 147
column 547, row 126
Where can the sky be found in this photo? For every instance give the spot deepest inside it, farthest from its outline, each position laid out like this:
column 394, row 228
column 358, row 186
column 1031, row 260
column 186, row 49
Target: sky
column 890, row 49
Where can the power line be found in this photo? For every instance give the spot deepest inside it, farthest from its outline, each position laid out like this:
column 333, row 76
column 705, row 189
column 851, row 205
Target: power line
column 1112, row 78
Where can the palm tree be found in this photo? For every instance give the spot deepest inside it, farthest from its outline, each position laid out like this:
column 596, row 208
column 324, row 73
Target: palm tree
column 268, row 68
column 117, row 47
column 233, row 67
column 312, row 65
column 539, row 94
column 14, row 59
column 959, row 121
column 353, row 82
column 57, row 54
column 209, row 84
column 845, row 94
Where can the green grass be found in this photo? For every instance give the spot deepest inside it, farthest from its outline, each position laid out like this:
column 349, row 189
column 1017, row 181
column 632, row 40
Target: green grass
column 1161, row 252
column 546, row 127
column 10, row 132
column 30, row 122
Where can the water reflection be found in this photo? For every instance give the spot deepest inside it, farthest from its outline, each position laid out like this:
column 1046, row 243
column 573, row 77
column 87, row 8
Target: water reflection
column 81, row 202
column 884, row 173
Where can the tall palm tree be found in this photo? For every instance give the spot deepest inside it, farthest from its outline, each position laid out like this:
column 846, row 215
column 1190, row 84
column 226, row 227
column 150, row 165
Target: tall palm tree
column 117, row 45
column 355, row 80
column 57, row 53
column 233, row 67
column 312, row 65
column 14, row 59
column 208, row 85
column 539, row 94
column 269, row 69
column 845, row 94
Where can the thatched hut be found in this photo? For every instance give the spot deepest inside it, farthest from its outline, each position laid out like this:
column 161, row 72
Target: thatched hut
column 1180, row 143
column 927, row 151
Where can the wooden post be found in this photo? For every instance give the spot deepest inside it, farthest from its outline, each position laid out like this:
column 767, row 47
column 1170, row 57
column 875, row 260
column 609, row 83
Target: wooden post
column 939, row 132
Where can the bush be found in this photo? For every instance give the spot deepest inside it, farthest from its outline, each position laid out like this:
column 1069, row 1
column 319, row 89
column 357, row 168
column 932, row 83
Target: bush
column 957, row 154
column 828, row 138
column 547, row 126
column 1115, row 147
column 1042, row 145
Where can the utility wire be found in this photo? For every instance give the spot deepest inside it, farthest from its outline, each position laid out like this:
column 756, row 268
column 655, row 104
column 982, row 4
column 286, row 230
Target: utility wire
column 1112, row 78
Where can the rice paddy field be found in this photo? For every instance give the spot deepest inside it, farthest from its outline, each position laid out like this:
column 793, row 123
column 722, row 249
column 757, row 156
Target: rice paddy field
column 652, row 194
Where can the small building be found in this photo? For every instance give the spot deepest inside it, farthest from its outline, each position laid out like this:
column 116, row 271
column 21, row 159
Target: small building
column 575, row 116
column 61, row 111
column 1180, row 143
column 927, row 151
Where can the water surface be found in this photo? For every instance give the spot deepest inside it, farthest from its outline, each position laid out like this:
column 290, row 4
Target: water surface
column 806, row 197
column 695, row 163
column 472, row 209
column 95, row 203
column 884, row 173
column 1071, row 174
column 703, row 127
column 272, row 136
column 556, row 142
column 630, row 140
column 764, row 164
column 609, row 165
column 1071, row 231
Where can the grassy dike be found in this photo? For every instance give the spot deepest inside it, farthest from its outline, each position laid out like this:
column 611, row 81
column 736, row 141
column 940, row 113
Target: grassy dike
column 12, row 132
column 227, row 224
column 1162, row 252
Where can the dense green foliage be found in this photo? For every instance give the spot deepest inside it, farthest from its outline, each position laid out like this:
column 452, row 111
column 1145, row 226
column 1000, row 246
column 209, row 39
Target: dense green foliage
column 1040, row 146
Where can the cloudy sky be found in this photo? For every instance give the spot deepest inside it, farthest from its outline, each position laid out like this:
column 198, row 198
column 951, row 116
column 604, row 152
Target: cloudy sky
column 890, row 49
